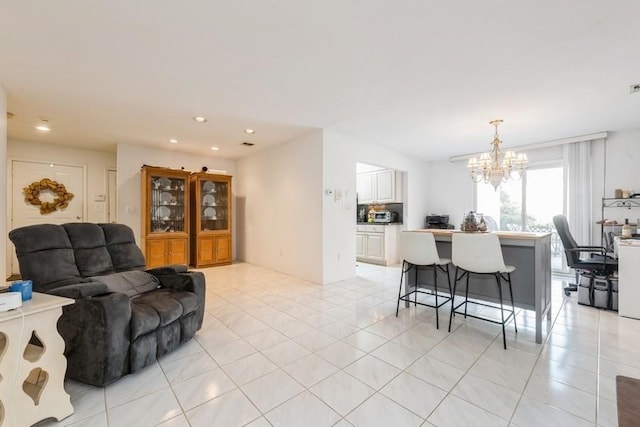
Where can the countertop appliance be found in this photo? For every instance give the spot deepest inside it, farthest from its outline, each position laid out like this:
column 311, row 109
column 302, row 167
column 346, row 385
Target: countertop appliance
column 438, row 221
column 362, row 215
column 385, row 217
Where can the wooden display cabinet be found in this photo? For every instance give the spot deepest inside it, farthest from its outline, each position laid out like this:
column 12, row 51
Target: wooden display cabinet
column 210, row 219
column 165, row 216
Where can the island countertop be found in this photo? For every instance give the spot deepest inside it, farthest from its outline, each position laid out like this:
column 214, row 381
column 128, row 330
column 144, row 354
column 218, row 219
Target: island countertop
column 517, row 235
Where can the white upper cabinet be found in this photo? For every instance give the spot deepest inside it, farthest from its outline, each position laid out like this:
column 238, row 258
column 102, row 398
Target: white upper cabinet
column 366, row 187
column 381, row 186
column 385, row 186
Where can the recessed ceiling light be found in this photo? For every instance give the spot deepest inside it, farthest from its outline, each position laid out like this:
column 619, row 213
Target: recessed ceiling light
column 249, row 131
column 214, row 148
column 43, row 126
column 173, row 141
column 200, row 119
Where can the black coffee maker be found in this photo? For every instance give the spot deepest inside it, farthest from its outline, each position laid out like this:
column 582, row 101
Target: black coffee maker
column 438, row 221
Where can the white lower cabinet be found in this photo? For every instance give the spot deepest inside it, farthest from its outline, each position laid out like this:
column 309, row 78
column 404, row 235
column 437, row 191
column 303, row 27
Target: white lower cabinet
column 377, row 244
column 360, row 242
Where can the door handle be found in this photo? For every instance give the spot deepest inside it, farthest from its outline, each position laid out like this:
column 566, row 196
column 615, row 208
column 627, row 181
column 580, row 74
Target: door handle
column 77, row 217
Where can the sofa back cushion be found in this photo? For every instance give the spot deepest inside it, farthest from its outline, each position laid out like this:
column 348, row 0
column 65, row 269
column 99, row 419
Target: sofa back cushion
column 121, row 245
column 90, row 248
column 46, row 256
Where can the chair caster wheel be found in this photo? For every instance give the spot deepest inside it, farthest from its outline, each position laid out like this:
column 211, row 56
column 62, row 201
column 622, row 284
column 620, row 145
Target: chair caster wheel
column 567, row 293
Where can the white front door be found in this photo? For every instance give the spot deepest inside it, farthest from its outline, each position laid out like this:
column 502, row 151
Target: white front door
column 23, row 174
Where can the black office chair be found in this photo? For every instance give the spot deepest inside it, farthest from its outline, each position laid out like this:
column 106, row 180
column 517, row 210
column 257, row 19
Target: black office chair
column 597, row 263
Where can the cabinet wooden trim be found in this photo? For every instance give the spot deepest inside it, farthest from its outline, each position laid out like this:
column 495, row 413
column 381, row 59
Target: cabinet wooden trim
column 165, row 215
column 211, row 219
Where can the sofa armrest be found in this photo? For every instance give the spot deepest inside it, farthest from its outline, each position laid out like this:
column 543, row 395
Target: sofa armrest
column 168, row 269
column 97, row 338
column 191, row 281
column 80, row 290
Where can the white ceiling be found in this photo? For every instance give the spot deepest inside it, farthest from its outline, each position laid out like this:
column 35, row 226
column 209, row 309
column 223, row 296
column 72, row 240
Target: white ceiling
column 424, row 77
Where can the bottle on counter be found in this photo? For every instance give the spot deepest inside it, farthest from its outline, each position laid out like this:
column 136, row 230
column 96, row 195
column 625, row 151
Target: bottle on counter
column 372, row 215
column 470, row 222
column 626, row 229
column 482, row 226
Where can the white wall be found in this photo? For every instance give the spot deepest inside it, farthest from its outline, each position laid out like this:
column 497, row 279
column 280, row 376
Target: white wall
column 338, row 216
column 280, row 200
column 616, row 164
column 453, row 190
column 622, row 161
column 341, row 153
column 292, row 225
column 130, row 159
column 3, row 181
column 96, row 162
column 346, row 151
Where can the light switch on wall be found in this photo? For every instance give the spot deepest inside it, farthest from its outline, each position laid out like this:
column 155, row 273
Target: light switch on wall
column 337, row 195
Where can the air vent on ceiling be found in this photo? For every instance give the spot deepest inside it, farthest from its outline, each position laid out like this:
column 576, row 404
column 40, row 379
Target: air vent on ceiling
column 634, row 88
column 248, row 144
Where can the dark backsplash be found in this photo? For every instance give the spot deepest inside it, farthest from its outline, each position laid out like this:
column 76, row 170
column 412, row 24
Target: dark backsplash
column 391, row 207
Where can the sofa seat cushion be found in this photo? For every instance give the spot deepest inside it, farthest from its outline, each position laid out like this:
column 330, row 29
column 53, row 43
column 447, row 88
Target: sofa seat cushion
column 130, row 283
column 158, row 308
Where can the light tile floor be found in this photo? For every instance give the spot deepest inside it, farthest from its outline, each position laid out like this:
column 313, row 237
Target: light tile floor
column 276, row 350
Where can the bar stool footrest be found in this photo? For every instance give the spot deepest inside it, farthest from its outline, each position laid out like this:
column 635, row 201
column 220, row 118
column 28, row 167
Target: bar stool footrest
column 486, row 319
column 407, row 298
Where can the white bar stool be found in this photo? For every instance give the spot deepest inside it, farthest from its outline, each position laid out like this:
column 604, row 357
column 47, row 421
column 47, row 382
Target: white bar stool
column 481, row 254
column 418, row 251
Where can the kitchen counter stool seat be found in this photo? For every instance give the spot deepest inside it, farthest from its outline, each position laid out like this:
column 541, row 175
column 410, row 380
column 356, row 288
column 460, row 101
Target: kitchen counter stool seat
column 481, row 254
column 418, row 251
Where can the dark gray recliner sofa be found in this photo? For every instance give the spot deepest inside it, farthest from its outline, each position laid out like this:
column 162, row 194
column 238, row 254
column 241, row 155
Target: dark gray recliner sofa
column 124, row 317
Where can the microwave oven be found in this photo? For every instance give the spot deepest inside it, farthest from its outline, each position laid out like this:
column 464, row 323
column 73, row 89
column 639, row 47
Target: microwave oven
column 385, row 217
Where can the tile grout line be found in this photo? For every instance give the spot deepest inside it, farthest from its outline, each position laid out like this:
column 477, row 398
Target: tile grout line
column 539, row 355
column 544, row 343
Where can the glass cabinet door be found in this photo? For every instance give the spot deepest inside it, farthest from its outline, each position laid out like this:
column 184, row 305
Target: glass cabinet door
column 214, row 210
column 167, row 204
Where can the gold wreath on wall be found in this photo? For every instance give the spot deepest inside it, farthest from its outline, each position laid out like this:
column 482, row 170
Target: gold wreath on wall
column 32, row 195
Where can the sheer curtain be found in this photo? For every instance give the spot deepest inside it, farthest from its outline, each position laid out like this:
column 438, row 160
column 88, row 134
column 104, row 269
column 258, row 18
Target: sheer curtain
column 579, row 190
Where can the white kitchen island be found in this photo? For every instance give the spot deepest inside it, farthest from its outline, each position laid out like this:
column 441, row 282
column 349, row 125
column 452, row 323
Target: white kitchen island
column 530, row 253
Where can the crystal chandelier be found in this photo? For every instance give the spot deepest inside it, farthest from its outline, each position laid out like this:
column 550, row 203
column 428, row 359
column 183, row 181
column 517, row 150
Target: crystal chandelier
column 496, row 167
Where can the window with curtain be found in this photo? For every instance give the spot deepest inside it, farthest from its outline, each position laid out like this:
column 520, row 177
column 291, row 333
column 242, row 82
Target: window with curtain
column 528, row 204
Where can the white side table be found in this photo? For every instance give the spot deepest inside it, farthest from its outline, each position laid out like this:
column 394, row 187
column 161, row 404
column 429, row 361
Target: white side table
column 628, row 278
column 32, row 376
